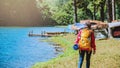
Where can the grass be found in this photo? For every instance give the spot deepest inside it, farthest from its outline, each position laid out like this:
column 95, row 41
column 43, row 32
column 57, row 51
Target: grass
column 107, row 54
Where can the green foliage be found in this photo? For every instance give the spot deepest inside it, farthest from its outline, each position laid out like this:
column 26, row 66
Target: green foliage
column 44, row 9
column 84, row 14
column 64, row 15
column 62, row 11
column 118, row 10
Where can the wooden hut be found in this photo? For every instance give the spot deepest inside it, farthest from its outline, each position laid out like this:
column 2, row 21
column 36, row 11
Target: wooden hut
column 98, row 25
column 94, row 24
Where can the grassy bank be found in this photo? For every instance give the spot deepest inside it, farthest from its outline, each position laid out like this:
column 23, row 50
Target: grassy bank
column 107, row 54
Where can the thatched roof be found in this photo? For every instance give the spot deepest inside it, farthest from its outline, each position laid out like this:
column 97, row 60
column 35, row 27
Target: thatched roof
column 98, row 24
column 94, row 24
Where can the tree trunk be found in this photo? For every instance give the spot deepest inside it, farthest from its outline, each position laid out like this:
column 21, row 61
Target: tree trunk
column 75, row 11
column 102, row 4
column 109, row 10
column 94, row 13
column 113, row 10
column 109, row 15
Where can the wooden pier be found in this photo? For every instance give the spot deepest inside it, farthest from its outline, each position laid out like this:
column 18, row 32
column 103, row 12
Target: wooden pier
column 48, row 34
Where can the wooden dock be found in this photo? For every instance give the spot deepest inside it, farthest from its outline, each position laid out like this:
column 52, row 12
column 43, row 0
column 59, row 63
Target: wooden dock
column 48, row 34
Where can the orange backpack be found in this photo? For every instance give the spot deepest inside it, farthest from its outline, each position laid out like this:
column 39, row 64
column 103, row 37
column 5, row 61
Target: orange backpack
column 85, row 39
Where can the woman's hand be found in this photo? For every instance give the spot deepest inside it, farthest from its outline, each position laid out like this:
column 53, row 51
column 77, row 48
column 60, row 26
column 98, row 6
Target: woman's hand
column 94, row 51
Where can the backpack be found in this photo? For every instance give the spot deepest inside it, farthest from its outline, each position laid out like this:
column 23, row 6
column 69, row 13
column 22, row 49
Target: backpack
column 85, row 39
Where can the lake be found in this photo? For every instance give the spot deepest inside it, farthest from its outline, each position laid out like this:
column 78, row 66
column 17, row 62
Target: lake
column 18, row 50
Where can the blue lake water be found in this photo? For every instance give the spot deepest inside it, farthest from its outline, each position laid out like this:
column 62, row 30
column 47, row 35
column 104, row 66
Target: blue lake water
column 18, row 50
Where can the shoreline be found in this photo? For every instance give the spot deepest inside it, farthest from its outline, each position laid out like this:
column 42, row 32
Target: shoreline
column 106, row 51
column 67, row 52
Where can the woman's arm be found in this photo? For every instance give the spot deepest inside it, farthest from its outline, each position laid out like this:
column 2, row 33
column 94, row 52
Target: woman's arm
column 78, row 37
column 93, row 42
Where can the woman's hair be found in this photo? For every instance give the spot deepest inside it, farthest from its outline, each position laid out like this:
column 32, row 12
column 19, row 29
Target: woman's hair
column 88, row 24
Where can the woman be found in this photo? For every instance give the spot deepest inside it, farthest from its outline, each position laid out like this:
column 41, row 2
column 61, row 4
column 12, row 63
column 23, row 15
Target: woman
column 85, row 47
